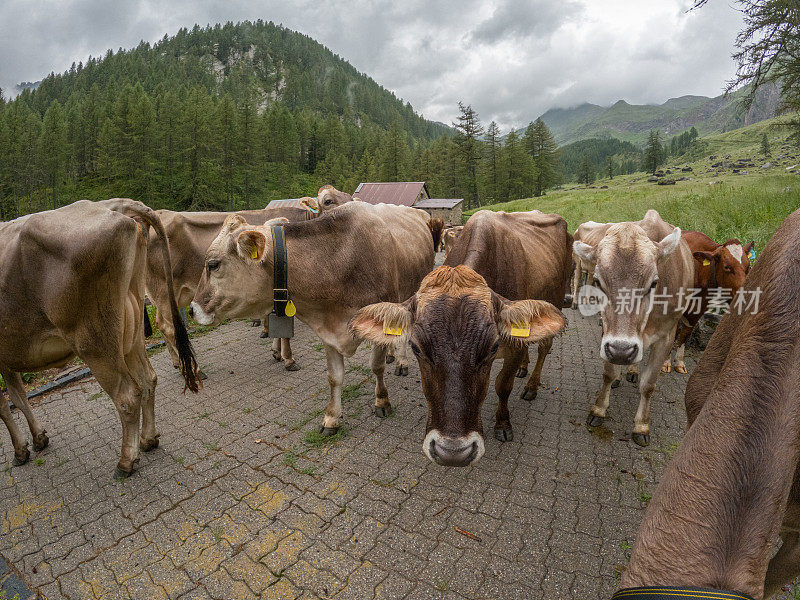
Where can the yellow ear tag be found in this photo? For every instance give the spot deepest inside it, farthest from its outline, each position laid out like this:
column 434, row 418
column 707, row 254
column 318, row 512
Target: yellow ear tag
column 254, row 253
column 290, row 309
column 392, row 330
column 706, row 263
column 520, row 330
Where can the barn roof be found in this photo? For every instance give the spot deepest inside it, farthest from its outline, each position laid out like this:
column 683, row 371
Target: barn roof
column 439, row 203
column 403, row 193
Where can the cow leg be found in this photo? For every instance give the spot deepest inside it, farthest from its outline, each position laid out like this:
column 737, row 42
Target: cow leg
column 333, row 412
column 286, row 355
column 401, row 370
column 16, row 391
column 276, row 349
column 503, row 384
column 389, row 355
column 684, row 331
column 576, row 282
column 785, row 565
column 532, row 387
column 265, row 329
column 523, row 368
column 146, row 378
column 647, row 384
column 383, row 407
column 597, row 413
column 21, row 452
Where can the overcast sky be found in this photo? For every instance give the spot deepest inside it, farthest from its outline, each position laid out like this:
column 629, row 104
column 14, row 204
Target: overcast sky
column 512, row 60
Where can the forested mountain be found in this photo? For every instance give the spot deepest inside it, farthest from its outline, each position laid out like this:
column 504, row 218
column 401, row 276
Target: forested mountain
column 600, row 155
column 632, row 122
column 218, row 117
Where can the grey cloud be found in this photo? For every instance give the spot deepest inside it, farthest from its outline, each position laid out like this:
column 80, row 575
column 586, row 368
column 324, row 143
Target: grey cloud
column 514, row 19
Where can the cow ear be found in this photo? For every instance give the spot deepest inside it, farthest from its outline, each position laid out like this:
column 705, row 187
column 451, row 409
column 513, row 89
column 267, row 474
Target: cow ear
column 250, row 244
column 705, row 258
column 670, row 243
column 585, row 251
column 382, row 323
column 231, row 222
column 529, row 320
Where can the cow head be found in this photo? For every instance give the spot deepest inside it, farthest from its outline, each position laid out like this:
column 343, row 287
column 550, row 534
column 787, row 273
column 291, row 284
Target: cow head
column 626, row 271
column 234, row 283
column 328, row 197
column 741, row 253
column 726, row 271
column 456, row 324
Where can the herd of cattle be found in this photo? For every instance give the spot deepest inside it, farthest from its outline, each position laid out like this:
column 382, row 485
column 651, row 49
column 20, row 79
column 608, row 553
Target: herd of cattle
column 73, row 283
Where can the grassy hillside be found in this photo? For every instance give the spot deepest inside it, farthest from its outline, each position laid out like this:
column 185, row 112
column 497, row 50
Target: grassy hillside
column 632, row 122
column 748, row 205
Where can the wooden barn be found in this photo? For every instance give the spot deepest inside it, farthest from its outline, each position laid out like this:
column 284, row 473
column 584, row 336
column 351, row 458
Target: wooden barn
column 411, row 193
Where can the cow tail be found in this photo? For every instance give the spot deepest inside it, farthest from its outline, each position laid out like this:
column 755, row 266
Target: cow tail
column 188, row 361
column 436, row 226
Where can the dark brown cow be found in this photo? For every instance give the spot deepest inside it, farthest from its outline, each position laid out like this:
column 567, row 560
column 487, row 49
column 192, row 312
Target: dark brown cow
column 190, row 234
column 496, row 293
column 73, row 284
column 733, row 486
column 716, row 268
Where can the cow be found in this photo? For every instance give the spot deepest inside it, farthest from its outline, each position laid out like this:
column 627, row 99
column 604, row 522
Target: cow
column 449, row 237
column 73, row 284
column 496, row 293
column 338, row 263
column 733, row 486
column 719, row 269
column 190, row 234
column 590, row 232
column 328, row 198
column 643, row 268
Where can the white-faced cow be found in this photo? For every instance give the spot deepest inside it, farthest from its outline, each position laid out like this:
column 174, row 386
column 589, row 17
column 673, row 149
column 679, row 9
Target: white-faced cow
column 73, row 284
column 496, row 293
column 338, row 263
column 732, row 490
column 644, row 268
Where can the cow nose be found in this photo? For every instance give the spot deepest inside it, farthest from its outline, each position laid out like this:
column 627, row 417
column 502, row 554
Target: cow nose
column 453, row 452
column 621, row 352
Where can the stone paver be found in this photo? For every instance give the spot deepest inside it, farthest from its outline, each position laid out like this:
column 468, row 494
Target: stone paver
column 241, row 501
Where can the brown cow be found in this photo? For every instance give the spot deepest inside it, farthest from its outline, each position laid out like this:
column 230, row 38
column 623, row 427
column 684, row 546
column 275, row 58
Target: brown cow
column 717, row 268
column 328, row 197
column 449, row 237
column 73, row 284
column 345, row 259
column 190, row 234
column 499, row 288
column 591, row 233
column 632, row 263
column 733, row 487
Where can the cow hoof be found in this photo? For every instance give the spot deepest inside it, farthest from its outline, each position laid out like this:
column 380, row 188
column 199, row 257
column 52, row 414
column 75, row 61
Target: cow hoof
column 328, row 431
column 632, row 377
column 389, row 359
column 594, row 421
column 574, row 306
column 263, row 335
column 120, row 475
column 503, row 435
column 293, row 366
column 277, row 356
column 529, row 394
column 147, row 445
column 667, row 368
column 202, row 375
column 255, row 323
column 382, row 411
column 401, row 370
column 40, row 442
column 681, row 369
column 21, row 460
column 522, row 372
column 616, row 383
column 641, row 439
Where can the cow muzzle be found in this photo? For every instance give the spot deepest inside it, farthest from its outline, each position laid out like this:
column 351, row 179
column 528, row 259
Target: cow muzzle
column 453, row 452
column 621, row 350
column 198, row 314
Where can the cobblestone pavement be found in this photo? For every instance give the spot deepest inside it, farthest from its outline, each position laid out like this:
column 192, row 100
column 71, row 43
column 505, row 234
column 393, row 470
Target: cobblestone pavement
column 242, row 500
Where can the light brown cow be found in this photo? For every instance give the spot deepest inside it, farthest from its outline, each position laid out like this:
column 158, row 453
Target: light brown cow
column 190, row 234
column 496, row 293
column 328, row 197
column 590, row 233
column 345, row 259
column 632, row 263
column 73, row 284
column 733, row 487
column 449, row 237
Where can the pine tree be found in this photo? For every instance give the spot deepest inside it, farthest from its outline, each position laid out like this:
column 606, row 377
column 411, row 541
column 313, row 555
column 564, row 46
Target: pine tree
column 542, row 147
column 586, row 173
column 227, row 137
column 395, row 155
column 493, row 148
column 610, row 168
column 53, row 149
column 517, row 168
column 653, row 152
column 468, row 133
column 765, row 149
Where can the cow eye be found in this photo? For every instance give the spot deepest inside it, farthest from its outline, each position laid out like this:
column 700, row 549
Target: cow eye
column 328, row 202
column 212, row 264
